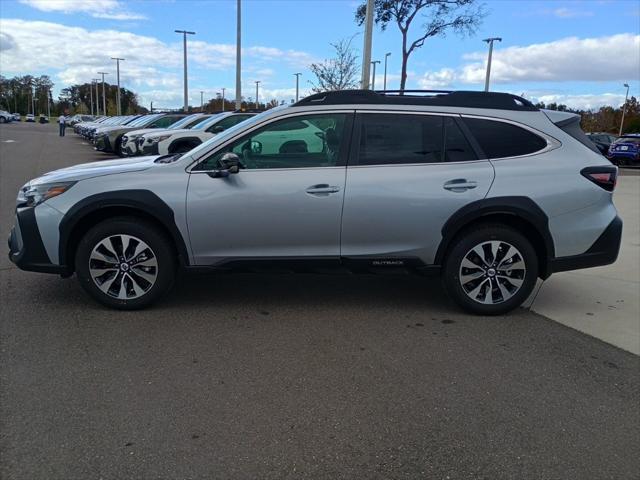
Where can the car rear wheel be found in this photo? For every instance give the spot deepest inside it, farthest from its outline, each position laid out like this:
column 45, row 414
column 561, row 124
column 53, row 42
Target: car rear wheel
column 490, row 270
column 125, row 263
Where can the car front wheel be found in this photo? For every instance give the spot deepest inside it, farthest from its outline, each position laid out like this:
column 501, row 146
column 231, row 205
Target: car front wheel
column 125, row 263
column 490, row 270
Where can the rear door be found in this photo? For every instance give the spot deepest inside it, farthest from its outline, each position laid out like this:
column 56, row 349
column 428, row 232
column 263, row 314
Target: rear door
column 407, row 174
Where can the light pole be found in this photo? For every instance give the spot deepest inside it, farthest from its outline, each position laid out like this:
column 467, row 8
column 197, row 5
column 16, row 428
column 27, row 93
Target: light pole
column 96, row 80
column 297, row 85
column 238, row 57
column 91, row 96
column 104, row 98
column 201, row 101
column 373, row 78
column 257, row 86
column 49, row 103
column 118, row 108
column 366, row 50
column 184, row 47
column 223, row 89
column 386, row 57
column 624, row 108
column 490, row 42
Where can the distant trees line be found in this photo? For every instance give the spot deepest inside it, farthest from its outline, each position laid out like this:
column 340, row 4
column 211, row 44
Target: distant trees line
column 31, row 94
column 605, row 119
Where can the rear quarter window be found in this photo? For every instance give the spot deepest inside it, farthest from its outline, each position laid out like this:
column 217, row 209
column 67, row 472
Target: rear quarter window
column 500, row 139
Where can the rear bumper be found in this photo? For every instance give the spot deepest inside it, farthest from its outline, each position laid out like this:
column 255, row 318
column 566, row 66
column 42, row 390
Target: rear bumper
column 604, row 251
column 26, row 249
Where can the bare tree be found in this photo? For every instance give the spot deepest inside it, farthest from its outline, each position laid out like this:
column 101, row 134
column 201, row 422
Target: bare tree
column 339, row 73
column 461, row 16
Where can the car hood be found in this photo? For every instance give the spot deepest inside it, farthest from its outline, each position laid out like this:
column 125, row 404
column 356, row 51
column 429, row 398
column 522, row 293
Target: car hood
column 154, row 132
column 142, row 131
column 96, row 169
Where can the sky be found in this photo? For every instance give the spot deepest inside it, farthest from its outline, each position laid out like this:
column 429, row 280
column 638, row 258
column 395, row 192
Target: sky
column 577, row 52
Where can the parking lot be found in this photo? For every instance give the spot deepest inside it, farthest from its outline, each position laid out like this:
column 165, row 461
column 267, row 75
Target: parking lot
column 278, row 376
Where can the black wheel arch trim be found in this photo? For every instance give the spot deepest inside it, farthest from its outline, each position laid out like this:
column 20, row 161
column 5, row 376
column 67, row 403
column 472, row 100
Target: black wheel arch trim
column 522, row 208
column 145, row 201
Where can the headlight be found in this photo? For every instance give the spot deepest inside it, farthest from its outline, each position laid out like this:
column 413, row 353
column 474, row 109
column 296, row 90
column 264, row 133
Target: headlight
column 34, row 195
column 158, row 139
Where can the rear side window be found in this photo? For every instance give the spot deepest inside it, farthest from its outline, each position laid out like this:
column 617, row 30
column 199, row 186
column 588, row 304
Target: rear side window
column 500, row 139
column 392, row 139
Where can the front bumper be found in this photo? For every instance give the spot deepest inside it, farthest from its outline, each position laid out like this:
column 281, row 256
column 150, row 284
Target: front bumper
column 604, row 251
column 148, row 148
column 129, row 147
column 102, row 143
column 26, row 249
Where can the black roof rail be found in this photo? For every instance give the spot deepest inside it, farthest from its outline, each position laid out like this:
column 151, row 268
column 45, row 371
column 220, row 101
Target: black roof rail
column 444, row 98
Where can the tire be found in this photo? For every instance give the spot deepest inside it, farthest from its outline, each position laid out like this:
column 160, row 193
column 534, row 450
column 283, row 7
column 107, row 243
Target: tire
column 3, row 120
column 467, row 275
column 117, row 148
column 126, row 285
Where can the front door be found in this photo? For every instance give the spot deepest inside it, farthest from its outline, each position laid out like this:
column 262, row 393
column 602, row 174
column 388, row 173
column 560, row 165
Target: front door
column 286, row 200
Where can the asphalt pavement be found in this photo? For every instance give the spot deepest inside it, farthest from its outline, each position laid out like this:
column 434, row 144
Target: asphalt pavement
column 280, row 376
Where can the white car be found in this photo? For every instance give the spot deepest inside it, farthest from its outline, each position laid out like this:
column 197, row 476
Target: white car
column 183, row 140
column 17, row 117
column 5, row 117
column 30, row 117
column 129, row 145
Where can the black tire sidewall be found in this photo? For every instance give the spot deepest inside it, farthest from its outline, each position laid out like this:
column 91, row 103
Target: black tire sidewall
column 465, row 242
column 146, row 232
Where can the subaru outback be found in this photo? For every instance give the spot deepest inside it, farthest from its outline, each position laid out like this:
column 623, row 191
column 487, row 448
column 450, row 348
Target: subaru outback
column 483, row 189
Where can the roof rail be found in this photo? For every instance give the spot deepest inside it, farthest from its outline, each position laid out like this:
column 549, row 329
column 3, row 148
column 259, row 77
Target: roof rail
column 444, row 98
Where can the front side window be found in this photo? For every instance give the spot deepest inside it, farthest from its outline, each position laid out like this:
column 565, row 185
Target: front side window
column 298, row 142
column 500, row 139
column 165, row 122
column 388, row 139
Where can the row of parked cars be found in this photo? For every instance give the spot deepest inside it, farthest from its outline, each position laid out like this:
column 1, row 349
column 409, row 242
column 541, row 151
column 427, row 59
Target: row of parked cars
column 6, row 117
column 156, row 133
column 621, row 151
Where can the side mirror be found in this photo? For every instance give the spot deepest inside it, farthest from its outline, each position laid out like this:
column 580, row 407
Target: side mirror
column 229, row 165
column 217, row 129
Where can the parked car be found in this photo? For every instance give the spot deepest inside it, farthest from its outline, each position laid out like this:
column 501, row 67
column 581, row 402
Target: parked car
column 602, row 140
column 183, row 140
column 78, row 118
column 108, row 139
column 17, row 117
column 5, row 117
column 481, row 188
column 43, row 118
column 95, row 129
column 625, row 150
column 129, row 144
column 30, row 117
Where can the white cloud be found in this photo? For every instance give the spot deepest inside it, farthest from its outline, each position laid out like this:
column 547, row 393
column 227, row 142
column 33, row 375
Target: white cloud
column 151, row 68
column 565, row 12
column 108, row 9
column 568, row 59
column 584, row 102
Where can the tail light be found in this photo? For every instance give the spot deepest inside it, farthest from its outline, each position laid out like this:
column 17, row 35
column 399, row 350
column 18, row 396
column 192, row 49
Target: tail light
column 605, row 177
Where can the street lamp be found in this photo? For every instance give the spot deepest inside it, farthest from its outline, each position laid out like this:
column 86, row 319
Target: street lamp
column 104, row 98
column 184, row 46
column 373, row 77
column 118, row 109
column 223, row 89
column 257, row 86
column 366, row 50
column 96, row 80
column 91, row 96
column 201, row 101
column 297, row 75
column 238, row 56
column 490, row 42
column 624, row 108
column 386, row 57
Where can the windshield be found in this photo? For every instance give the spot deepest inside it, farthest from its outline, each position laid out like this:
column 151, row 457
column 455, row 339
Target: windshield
column 231, row 131
column 184, row 122
column 206, row 122
column 144, row 120
column 634, row 140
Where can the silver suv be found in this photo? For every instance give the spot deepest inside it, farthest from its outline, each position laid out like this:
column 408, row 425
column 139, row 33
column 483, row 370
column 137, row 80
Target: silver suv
column 483, row 189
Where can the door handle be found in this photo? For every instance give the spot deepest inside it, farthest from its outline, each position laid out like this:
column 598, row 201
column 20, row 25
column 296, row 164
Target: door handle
column 322, row 189
column 459, row 185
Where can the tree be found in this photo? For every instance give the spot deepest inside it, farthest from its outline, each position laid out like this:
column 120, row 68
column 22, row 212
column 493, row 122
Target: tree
column 440, row 16
column 339, row 73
